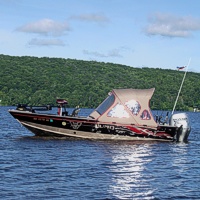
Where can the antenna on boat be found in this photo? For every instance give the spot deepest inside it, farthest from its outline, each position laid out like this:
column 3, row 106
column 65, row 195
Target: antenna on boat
column 181, row 85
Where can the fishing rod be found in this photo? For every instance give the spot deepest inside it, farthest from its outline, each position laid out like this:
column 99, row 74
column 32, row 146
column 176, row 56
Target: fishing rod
column 181, row 85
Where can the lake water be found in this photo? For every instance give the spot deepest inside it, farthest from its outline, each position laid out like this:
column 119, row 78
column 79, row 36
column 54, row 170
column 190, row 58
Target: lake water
column 39, row 168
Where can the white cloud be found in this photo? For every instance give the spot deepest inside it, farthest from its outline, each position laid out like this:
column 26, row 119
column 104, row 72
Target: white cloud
column 172, row 26
column 112, row 53
column 94, row 53
column 45, row 27
column 46, row 42
column 98, row 18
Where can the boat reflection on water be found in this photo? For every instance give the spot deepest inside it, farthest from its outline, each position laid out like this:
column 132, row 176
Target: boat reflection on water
column 129, row 178
column 138, row 169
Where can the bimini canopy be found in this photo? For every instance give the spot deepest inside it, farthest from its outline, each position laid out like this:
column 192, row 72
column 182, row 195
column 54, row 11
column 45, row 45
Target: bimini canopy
column 126, row 106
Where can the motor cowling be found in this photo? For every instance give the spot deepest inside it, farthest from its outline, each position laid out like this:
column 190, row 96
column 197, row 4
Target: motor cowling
column 181, row 121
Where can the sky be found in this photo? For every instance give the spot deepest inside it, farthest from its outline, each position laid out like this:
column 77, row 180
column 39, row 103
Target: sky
column 136, row 33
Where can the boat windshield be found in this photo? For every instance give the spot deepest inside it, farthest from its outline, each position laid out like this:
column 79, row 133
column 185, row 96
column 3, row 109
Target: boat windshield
column 106, row 104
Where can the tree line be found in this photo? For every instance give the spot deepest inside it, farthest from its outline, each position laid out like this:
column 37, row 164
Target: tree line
column 38, row 81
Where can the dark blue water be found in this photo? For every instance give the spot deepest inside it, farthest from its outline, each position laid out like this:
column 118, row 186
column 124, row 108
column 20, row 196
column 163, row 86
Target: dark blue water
column 39, row 168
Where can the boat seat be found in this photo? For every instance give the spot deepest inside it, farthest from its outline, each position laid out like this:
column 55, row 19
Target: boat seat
column 64, row 113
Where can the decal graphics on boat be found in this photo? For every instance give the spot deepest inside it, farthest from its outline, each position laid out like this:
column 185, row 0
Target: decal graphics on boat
column 133, row 106
column 75, row 125
column 145, row 115
column 118, row 111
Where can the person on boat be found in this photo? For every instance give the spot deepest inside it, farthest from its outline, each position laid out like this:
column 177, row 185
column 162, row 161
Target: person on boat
column 75, row 111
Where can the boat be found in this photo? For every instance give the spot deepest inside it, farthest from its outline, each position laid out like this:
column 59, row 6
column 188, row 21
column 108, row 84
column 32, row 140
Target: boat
column 125, row 114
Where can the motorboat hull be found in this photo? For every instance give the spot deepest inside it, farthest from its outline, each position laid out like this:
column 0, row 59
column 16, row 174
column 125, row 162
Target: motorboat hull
column 46, row 131
column 82, row 127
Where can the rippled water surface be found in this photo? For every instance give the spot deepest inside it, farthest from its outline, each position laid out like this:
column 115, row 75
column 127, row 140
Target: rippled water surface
column 41, row 168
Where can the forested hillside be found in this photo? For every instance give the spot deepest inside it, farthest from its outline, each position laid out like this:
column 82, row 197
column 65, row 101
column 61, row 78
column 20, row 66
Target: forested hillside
column 39, row 81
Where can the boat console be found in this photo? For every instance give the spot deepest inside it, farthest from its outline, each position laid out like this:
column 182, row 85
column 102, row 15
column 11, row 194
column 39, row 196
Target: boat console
column 61, row 103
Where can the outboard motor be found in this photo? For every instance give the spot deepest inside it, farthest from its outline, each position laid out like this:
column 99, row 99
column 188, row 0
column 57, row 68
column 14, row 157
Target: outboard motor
column 181, row 120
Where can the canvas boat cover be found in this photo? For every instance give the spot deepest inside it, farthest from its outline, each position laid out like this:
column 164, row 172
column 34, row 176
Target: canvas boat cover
column 126, row 106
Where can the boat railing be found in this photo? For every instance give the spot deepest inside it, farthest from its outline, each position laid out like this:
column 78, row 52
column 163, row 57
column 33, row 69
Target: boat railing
column 25, row 107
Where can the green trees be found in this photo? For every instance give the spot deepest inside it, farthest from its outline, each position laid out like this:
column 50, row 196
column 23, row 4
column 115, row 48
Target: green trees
column 38, row 81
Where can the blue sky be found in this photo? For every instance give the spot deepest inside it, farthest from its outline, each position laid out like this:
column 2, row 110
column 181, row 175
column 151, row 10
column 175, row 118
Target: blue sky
column 137, row 33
